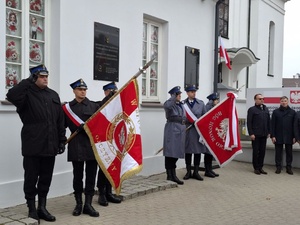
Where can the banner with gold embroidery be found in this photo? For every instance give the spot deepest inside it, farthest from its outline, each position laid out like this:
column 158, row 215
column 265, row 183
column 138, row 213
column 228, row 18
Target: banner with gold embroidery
column 114, row 132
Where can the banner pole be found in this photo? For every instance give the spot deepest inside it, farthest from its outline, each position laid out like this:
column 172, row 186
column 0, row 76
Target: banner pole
column 141, row 70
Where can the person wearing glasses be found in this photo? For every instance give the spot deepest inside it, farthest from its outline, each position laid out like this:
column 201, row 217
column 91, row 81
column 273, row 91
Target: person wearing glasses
column 259, row 129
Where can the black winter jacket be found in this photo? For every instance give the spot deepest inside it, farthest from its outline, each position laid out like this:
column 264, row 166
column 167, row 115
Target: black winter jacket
column 258, row 121
column 79, row 148
column 42, row 117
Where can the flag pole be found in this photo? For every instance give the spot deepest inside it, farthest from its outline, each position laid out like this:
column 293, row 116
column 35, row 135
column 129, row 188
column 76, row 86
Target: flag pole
column 141, row 71
column 189, row 127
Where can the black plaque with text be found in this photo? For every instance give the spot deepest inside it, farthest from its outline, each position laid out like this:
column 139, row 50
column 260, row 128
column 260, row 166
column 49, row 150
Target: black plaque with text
column 192, row 58
column 106, row 52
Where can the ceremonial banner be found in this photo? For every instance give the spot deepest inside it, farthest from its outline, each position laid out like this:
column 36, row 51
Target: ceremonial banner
column 114, row 131
column 219, row 130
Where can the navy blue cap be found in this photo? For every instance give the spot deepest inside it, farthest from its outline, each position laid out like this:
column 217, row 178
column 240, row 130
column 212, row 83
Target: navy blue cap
column 111, row 85
column 191, row 88
column 213, row 96
column 39, row 70
column 175, row 90
column 78, row 84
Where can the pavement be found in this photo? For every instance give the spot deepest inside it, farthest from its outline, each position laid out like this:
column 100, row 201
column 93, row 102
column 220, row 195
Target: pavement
column 237, row 196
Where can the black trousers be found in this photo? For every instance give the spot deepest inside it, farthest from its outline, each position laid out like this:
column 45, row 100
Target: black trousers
column 90, row 176
column 188, row 159
column 170, row 162
column 279, row 152
column 258, row 153
column 38, row 173
column 102, row 181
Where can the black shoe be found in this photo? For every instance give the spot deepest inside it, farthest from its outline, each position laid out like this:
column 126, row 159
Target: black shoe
column 188, row 175
column 209, row 174
column 113, row 198
column 263, row 172
column 257, row 172
column 289, row 171
column 77, row 210
column 102, row 200
column 89, row 209
column 278, row 171
column 45, row 215
column 213, row 172
column 175, row 178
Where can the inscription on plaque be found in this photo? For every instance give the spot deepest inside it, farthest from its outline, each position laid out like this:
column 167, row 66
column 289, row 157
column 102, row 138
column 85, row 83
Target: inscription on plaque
column 106, row 52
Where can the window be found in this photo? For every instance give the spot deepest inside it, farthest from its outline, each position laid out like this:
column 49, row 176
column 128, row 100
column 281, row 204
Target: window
column 25, row 38
column 224, row 18
column 271, row 49
column 151, row 48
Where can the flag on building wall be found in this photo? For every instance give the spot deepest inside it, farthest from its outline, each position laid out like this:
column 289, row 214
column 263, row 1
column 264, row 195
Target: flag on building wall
column 219, row 130
column 224, row 54
column 114, row 132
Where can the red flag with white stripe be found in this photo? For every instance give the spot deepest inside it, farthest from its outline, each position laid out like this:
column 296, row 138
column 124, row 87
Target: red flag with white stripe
column 224, row 54
column 219, row 130
column 114, row 131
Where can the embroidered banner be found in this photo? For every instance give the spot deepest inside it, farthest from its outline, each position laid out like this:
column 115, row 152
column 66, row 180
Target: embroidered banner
column 219, row 130
column 114, row 132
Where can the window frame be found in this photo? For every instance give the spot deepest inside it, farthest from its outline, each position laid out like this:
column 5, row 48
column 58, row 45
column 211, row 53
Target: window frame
column 224, row 19
column 24, row 39
column 147, row 76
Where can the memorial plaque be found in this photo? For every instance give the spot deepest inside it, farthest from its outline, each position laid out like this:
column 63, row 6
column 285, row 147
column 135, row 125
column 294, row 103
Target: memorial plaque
column 106, row 52
column 192, row 58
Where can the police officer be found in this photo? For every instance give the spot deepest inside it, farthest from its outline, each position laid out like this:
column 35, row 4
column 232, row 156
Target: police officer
column 104, row 186
column 213, row 99
column 192, row 144
column 174, row 133
column 259, row 129
column 43, row 136
column 80, row 152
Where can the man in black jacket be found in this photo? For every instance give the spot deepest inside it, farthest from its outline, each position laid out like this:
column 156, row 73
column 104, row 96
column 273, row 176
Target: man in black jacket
column 283, row 124
column 80, row 151
column 43, row 136
column 258, row 124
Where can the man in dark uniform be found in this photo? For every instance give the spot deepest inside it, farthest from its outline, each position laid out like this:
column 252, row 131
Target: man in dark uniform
column 213, row 99
column 43, row 136
column 259, row 129
column 104, row 187
column 80, row 152
column 174, row 133
column 195, row 107
column 282, row 132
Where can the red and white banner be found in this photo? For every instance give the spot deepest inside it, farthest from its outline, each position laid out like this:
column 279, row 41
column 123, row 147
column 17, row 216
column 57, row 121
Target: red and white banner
column 224, row 54
column 219, row 130
column 114, row 132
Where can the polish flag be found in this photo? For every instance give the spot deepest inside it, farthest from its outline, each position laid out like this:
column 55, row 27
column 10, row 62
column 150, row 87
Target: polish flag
column 224, row 54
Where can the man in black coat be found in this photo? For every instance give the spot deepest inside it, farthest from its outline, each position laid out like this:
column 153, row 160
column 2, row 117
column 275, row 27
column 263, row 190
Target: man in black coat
column 282, row 124
column 258, row 124
column 80, row 151
column 43, row 136
column 104, row 187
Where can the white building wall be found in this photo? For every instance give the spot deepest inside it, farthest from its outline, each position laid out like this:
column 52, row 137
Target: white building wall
column 70, row 57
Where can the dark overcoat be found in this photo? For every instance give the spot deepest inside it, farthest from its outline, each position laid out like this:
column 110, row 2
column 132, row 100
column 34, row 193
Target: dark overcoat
column 192, row 143
column 80, row 148
column 42, row 117
column 258, row 121
column 174, row 132
column 282, row 125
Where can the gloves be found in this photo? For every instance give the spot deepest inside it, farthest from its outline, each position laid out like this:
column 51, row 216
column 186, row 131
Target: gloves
column 32, row 78
column 61, row 148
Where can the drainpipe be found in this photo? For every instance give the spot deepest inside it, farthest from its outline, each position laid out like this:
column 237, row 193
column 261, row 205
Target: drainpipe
column 216, row 45
column 248, row 41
